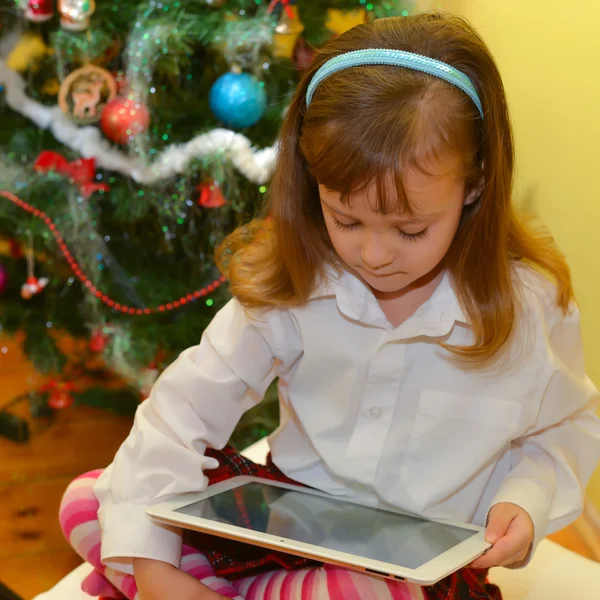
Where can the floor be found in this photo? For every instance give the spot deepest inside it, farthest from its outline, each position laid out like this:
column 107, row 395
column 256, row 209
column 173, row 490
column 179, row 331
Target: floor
column 33, row 553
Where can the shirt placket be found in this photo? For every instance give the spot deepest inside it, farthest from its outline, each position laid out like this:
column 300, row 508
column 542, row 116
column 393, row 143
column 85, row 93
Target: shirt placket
column 376, row 410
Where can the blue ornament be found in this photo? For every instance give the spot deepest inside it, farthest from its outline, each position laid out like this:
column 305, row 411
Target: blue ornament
column 237, row 100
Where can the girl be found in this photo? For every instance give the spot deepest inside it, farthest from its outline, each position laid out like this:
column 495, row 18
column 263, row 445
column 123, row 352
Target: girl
column 425, row 339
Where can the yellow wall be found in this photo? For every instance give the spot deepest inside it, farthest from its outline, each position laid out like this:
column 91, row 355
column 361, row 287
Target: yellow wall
column 548, row 52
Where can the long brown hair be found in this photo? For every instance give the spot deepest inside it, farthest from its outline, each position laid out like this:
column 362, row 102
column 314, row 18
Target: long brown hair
column 367, row 124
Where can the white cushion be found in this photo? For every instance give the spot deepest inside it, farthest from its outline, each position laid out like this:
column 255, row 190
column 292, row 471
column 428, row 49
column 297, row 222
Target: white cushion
column 69, row 588
column 554, row 573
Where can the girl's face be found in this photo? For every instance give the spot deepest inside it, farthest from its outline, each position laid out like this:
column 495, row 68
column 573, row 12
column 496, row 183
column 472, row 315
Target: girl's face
column 393, row 251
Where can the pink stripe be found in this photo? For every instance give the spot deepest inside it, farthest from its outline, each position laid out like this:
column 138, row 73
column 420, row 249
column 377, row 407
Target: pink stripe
column 398, row 590
column 96, row 584
column 268, row 593
column 88, row 543
column 128, row 587
column 187, row 550
column 252, row 590
column 308, row 586
column 198, row 570
column 69, row 524
column 340, row 585
column 225, row 589
column 367, row 586
column 75, row 493
column 196, row 563
column 93, row 556
column 90, row 475
column 286, row 586
column 70, row 508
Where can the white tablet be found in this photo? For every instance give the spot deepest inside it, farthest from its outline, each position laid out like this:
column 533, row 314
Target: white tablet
column 305, row 522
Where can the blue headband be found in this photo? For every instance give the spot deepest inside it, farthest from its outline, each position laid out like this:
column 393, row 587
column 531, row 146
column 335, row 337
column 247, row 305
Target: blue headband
column 399, row 58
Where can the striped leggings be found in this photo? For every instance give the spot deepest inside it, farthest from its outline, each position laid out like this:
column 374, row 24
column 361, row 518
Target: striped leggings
column 79, row 521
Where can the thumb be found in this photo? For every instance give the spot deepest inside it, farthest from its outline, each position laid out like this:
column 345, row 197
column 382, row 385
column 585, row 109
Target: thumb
column 500, row 518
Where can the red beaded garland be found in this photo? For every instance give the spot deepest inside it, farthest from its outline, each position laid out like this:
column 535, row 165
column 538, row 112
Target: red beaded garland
column 86, row 281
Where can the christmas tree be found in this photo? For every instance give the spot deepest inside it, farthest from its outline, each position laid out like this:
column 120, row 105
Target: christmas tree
column 133, row 136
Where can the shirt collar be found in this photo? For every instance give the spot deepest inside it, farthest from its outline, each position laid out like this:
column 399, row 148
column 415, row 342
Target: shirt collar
column 435, row 318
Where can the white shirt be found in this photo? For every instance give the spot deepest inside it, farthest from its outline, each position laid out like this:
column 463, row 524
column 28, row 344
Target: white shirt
column 369, row 410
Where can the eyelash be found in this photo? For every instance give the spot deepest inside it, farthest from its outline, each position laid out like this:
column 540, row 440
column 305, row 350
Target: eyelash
column 344, row 226
column 411, row 237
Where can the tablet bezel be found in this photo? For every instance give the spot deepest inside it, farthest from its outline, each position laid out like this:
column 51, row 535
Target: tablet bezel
column 427, row 574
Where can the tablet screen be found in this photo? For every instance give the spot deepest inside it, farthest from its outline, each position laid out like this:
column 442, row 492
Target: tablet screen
column 374, row 533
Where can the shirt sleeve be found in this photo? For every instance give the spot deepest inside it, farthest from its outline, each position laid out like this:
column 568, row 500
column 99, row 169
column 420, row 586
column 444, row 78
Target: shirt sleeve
column 195, row 404
column 552, row 464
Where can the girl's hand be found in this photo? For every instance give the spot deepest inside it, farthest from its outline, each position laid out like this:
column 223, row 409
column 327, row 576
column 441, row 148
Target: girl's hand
column 157, row 580
column 510, row 529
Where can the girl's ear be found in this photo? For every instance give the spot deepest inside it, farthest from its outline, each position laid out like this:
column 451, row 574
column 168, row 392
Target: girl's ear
column 474, row 194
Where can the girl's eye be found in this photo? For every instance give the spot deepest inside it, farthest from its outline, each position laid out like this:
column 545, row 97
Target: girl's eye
column 413, row 237
column 344, row 226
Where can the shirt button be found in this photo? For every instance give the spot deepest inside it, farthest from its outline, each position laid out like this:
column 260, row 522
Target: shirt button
column 375, row 412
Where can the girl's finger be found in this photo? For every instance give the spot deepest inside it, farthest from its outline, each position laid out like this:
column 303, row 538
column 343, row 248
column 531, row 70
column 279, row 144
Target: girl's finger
column 501, row 551
column 514, row 559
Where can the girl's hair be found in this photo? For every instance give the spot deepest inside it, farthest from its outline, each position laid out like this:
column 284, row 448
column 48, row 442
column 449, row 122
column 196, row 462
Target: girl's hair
column 367, row 125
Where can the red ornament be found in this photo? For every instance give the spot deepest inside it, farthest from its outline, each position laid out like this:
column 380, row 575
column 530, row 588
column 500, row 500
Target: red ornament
column 210, row 195
column 60, row 399
column 38, row 11
column 81, row 171
column 98, row 341
column 61, row 396
column 3, row 278
column 33, row 286
column 123, row 119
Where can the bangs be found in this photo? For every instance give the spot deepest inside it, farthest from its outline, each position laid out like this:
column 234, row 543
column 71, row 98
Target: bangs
column 349, row 162
column 356, row 150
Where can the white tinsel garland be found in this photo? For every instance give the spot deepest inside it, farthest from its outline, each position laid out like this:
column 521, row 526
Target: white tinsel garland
column 255, row 165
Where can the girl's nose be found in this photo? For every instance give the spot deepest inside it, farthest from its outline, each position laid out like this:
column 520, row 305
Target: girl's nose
column 375, row 255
